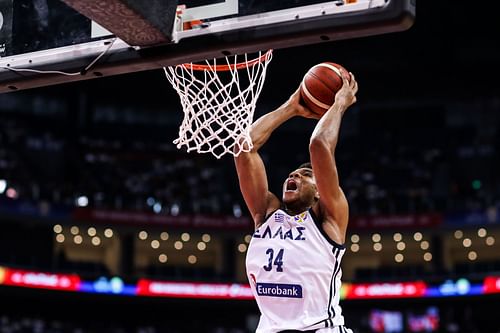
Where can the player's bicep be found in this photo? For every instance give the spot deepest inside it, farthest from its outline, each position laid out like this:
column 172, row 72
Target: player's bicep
column 254, row 185
column 327, row 181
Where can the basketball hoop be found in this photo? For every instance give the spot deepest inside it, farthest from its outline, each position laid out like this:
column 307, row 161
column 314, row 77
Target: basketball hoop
column 218, row 101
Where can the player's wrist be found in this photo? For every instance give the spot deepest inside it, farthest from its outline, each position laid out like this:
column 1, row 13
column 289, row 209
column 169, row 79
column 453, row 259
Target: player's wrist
column 341, row 105
column 290, row 110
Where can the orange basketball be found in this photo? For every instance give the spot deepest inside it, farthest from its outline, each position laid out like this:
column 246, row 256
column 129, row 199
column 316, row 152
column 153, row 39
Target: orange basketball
column 320, row 84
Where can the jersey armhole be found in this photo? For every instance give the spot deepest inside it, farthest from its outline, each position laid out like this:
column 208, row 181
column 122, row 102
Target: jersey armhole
column 318, row 225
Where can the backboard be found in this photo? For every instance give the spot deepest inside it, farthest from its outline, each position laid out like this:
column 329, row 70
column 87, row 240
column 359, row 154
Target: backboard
column 46, row 42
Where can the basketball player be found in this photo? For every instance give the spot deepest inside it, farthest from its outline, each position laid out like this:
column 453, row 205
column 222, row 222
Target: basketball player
column 293, row 260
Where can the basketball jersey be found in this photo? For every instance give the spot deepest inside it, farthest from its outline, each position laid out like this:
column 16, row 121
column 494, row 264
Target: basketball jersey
column 295, row 275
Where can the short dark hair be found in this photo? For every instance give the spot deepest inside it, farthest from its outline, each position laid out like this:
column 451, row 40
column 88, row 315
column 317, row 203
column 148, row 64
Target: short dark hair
column 306, row 165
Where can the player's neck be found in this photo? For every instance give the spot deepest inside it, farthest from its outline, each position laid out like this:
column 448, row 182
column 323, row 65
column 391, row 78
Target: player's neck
column 292, row 211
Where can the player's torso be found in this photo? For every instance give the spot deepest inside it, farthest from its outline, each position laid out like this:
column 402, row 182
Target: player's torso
column 292, row 269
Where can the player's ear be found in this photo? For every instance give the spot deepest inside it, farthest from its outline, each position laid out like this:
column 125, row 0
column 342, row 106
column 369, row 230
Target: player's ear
column 316, row 195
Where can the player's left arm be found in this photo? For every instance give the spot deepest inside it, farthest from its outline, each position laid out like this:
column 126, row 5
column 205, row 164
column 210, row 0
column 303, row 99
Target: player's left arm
column 333, row 208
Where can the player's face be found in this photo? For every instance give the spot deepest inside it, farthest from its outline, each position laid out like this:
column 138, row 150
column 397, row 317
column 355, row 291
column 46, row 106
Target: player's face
column 300, row 186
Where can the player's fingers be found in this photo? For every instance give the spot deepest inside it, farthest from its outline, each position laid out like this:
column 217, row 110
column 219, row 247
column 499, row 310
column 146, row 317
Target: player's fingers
column 354, row 83
column 353, row 80
column 345, row 80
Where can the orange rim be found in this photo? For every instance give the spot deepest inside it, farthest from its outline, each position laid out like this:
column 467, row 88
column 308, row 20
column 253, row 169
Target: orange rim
column 225, row 68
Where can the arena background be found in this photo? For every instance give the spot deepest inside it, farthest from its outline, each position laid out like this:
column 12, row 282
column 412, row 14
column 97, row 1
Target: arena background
column 95, row 198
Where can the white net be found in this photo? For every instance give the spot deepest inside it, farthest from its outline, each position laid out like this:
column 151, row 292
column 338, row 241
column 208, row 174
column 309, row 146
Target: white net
column 218, row 101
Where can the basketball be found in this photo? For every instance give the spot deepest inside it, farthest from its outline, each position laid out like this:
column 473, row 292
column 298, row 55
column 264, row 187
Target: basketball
column 320, row 84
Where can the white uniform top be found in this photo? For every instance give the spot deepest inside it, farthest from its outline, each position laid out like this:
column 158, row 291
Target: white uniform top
column 295, row 275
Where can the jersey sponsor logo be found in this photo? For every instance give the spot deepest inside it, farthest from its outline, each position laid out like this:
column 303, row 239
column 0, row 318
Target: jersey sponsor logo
column 279, row 290
column 295, row 233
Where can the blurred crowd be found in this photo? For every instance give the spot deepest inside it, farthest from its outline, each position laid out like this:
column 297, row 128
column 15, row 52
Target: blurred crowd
column 401, row 160
column 392, row 159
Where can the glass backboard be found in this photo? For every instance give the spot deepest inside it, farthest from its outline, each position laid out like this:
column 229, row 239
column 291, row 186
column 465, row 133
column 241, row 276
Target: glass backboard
column 46, row 42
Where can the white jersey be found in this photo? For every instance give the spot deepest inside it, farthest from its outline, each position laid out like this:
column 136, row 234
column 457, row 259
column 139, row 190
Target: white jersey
column 295, row 275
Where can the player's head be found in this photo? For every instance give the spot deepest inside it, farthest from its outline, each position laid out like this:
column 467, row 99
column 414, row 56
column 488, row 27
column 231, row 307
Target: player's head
column 299, row 189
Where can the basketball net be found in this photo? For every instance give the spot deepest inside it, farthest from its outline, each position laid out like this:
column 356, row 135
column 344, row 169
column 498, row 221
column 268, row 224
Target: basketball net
column 218, row 101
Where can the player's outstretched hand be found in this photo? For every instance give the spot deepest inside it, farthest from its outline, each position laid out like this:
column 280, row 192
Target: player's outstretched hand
column 347, row 94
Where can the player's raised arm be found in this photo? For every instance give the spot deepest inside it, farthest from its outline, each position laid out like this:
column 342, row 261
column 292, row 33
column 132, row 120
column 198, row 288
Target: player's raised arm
column 250, row 167
column 332, row 201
